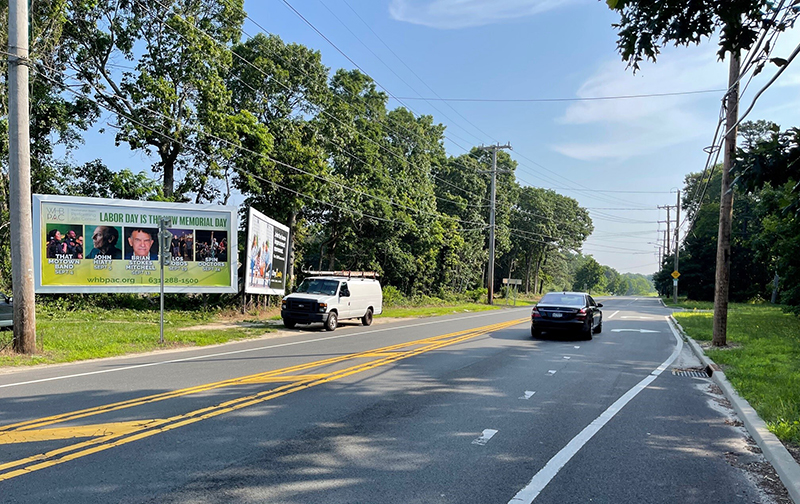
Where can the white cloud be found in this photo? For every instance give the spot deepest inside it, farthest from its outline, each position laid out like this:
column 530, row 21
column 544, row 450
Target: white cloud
column 624, row 142
column 453, row 14
column 641, row 126
column 622, row 129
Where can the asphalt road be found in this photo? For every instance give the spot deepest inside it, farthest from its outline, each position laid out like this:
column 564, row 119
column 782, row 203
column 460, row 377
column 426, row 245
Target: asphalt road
column 459, row 409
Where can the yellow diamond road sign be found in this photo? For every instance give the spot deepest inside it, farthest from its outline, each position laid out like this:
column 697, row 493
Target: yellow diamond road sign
column 675, row 274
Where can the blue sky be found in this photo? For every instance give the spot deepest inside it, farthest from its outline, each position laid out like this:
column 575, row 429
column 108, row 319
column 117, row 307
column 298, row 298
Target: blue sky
column 536, row 49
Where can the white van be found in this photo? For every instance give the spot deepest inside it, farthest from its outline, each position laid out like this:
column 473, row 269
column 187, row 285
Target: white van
column 328, row 299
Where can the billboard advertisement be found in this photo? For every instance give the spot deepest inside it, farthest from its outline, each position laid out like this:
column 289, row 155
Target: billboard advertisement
column 267, row 246
column 107, row 245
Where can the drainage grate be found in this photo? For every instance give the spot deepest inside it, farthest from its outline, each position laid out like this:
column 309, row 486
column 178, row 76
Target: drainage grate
column 691, row 372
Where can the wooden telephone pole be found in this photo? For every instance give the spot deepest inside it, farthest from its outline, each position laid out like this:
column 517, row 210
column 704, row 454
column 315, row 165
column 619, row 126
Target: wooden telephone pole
column 490, row 273
column 19, row 179
column 722, row 281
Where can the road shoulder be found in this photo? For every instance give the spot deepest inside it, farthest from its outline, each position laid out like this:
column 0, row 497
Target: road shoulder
column 775, row 452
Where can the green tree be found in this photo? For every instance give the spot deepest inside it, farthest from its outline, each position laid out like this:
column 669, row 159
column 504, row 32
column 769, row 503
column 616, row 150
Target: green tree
column 459, row 191
column 57, row 117
column 96, row 180
column 175, row 97
column 283, row 86
column 589, row 277
column 769, row 172
column 646, row 26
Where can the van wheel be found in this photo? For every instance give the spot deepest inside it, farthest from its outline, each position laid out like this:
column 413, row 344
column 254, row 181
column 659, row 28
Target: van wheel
column 289, row 324
column 367, row 318
column 332, row 322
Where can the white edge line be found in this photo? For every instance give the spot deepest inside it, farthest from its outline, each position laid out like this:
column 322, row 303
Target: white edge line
column 233, row 352
column 560, row 459
column 612, row 315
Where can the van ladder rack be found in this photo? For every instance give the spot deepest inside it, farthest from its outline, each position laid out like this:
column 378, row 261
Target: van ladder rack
column 344, row 273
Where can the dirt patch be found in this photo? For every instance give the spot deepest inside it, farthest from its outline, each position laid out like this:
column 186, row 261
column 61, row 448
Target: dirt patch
column 748, row 457
column 706, row 345
column 232, row 324
column 794, row 451
column 275, row 324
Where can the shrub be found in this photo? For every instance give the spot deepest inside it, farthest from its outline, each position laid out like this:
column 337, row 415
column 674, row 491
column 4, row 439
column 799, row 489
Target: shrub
column 393, row 297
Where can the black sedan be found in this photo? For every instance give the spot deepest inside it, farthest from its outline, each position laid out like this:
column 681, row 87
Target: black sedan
column 567, row 311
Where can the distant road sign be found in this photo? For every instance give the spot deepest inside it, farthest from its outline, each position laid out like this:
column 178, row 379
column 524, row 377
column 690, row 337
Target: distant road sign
column 512, row 281
column 675, row 274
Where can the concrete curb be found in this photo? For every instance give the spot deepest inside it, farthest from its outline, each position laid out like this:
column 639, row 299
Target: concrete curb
column 785, row 465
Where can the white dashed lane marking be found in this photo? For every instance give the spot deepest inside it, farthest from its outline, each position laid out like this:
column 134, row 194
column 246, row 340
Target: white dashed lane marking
column 485, row 437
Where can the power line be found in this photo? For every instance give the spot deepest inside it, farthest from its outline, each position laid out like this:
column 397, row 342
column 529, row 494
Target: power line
column 556, row 100
column 553, row 240
column 311, row 25
column 340, row 122
column 414, row 73
column 392, row 69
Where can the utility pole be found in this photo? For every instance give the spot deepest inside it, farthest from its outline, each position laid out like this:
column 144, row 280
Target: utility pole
column 490, row 273
column 19, row 179
column 677, row 243
column 722, row 281
column 669, row 234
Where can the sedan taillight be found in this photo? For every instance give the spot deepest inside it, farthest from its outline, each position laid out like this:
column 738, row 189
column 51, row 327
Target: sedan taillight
column 581, row 314
column 535, row 313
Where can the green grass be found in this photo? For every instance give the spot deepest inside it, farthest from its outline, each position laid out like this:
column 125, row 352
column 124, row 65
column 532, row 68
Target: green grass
column 90, row 334
column 67, row 333
column 432, row 311
column 762, row 360
column 688, row 304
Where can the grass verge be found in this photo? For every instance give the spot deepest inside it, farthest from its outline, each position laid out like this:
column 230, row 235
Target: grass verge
column 688, row 304
column 433, row 311
column 762, row 360
column 68, row 336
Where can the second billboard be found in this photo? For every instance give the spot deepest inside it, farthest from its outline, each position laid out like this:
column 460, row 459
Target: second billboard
column 267, row 243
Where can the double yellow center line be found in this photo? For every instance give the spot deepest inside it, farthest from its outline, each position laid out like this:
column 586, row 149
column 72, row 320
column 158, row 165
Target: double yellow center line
column 294, row 378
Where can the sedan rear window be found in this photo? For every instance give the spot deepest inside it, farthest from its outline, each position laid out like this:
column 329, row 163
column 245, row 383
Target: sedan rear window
column 553, row 298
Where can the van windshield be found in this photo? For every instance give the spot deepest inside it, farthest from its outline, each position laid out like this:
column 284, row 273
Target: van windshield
column 317, row 286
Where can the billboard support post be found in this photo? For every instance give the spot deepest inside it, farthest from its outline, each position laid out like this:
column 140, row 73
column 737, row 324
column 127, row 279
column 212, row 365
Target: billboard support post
column 164, row 238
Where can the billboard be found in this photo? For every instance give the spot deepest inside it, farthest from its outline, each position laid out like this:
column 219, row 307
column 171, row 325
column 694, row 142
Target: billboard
column 107, row 245
column 267, row 246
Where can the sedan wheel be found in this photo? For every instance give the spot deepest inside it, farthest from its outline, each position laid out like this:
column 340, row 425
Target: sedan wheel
column 599, row 327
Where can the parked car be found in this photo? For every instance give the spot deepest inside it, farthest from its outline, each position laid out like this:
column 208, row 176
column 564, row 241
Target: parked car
column 567, row 311
column 329, row 299
column 6, row 311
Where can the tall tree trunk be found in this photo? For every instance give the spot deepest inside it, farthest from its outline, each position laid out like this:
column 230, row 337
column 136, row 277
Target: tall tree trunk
column 290, row 253
column 169, row 154
column 332, row 254
column 536, row 274
column 528, row 265
column 543, row 264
